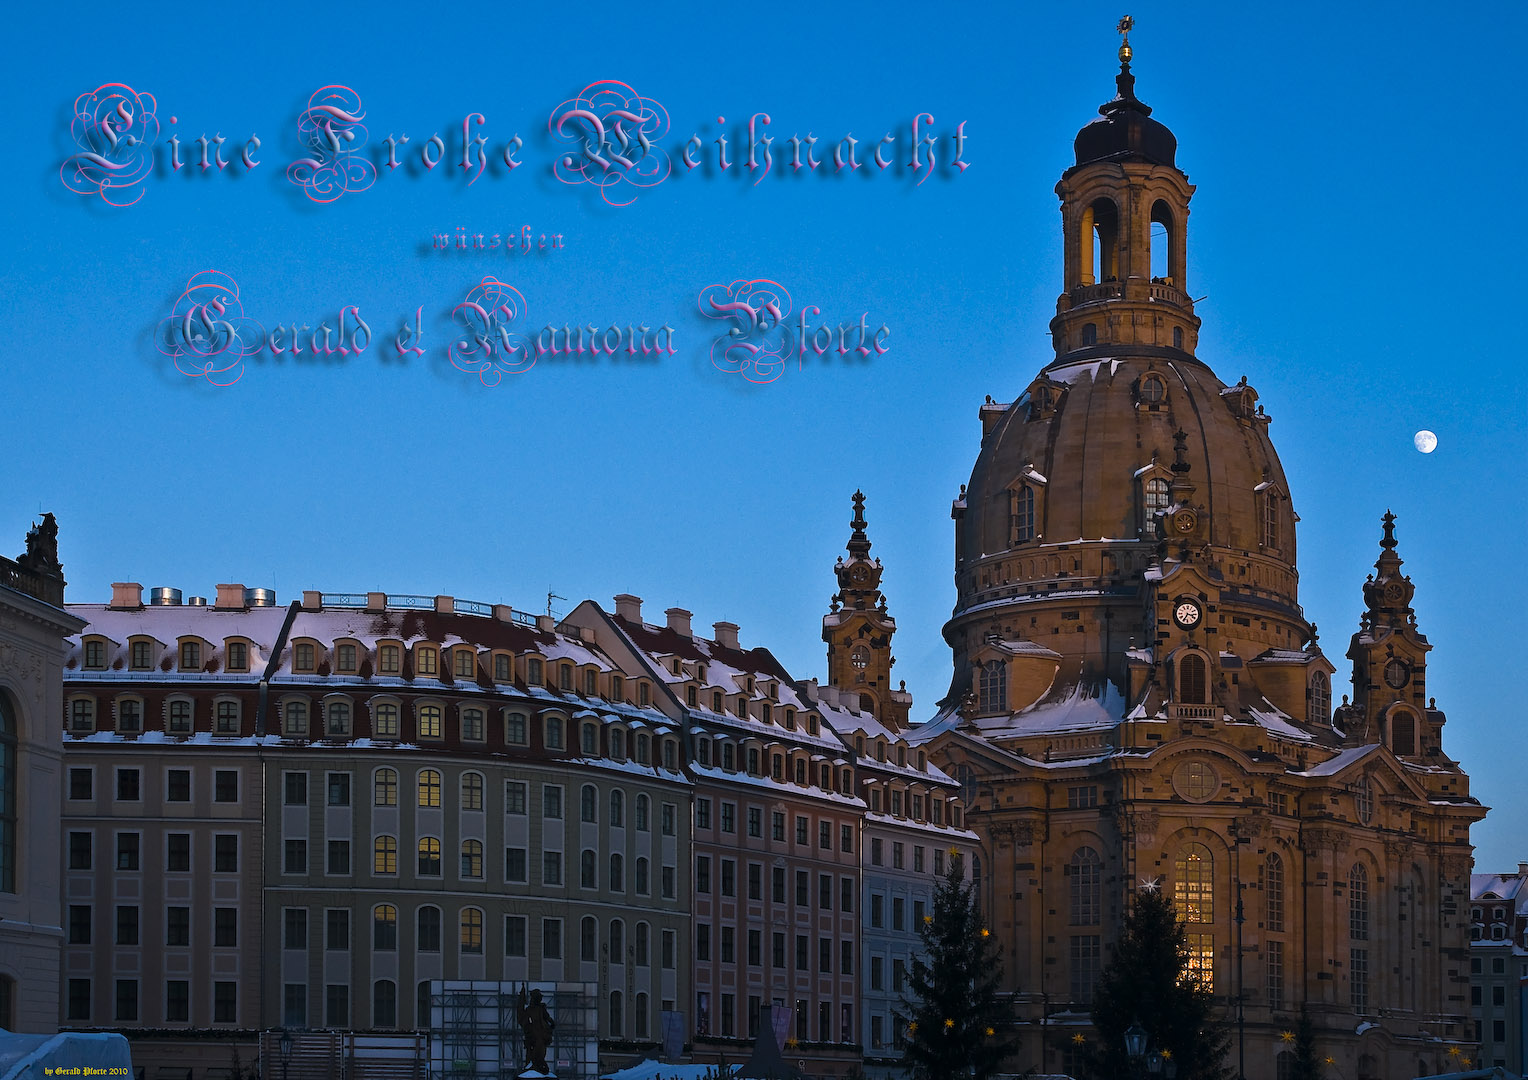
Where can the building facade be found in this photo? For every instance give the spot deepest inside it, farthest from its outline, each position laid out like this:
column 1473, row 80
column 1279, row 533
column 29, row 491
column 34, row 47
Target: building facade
column 1139, row 701
column 33, row 628
column 1499, row 967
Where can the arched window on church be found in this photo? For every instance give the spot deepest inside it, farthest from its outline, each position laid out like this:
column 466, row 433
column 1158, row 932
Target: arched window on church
column 1358, row 902
column 1155, row 496
column 994, row 687
column 1270, row 520
column 1090, row 333
column 1403, row 733
column 1320, row 698
column 1022, row 516
column 1192, row 680
column 1194, row 896
column 1273, row 893
column 1086, row 876
column 1164, row 255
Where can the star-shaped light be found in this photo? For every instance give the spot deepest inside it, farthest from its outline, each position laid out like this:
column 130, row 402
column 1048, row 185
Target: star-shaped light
column 954, row 853
column 928, row 918
column 948, row 1023
column 1287, row 1036
column 1331, row 1060
column 1079, row 1039
column 1167, row 1055
column 913, row 1026
column 1151, row 884
column 990, row 1031
column 1453, row 1051
column 791, row 1043
column 986, row 932
column 1466, row 1063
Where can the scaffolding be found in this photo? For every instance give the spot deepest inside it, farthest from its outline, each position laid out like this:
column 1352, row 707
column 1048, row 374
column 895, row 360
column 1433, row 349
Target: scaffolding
column 475, row 1033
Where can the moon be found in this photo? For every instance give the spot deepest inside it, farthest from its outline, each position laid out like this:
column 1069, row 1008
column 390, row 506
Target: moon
column 1425, row 441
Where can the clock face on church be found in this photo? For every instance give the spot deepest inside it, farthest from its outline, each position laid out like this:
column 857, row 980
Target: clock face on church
column 1186, row 613
column 860, row 658
column 859, row 575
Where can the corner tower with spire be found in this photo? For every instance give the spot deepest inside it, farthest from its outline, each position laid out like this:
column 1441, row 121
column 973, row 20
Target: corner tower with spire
column 858, row 630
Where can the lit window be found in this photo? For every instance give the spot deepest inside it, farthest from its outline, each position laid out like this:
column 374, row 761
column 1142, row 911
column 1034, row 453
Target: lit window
column 429, row 856
column 426, row 659
column 385, row 720
column 472, row 930
column 385, row 855
column 384, row 928
column 429, row 788
column 466, row 664
column 429, row 722
column 389, row 660
column 1195, row 884
column 472, row 791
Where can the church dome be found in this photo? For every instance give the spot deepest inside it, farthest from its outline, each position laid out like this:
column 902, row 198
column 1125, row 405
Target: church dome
column 1126, row 130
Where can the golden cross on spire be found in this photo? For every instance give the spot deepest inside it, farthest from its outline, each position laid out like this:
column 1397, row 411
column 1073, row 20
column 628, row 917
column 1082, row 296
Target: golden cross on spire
column 1123, row 28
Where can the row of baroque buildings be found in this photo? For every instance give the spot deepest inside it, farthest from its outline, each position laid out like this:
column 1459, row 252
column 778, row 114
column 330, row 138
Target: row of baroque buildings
column 315, row 816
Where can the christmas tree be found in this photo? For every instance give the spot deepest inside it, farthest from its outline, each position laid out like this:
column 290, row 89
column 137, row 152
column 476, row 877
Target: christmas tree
column 957, row 1025
column 1148, row 982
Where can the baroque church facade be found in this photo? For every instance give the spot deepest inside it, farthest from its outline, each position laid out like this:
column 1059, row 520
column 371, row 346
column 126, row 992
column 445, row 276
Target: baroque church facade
column 1138, row 700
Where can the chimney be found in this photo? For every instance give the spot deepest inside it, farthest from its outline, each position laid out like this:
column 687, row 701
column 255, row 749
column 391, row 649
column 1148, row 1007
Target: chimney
column 678, row 621
column 164, row 596
column 629, row 607
column 1522, row 869
column 726, row 634
column 126, row 595
column 229, row 598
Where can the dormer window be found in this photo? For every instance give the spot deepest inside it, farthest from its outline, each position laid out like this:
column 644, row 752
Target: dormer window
column 302, row 657
column 345, row 659
column 790, row 719
column 565, row 677
column 811, row 725
column 533, row 671
column 1021, row 518
column 591, row 682
column 642, row 694
column 716, row 701
column 1270, row 519
column 389, row 660
column 427, row 660
column 1320, row 698
column 994, row 687
column 691, row 696
column 95, row 655
column 238, row 656
column 617, row 688
column 142, row 656
column 466, row 664
column 674, row 665
column 742, row 707
column 765, row 713
column 190, row 656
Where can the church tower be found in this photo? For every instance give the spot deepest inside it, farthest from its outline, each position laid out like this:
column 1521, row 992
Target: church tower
column 858, row 631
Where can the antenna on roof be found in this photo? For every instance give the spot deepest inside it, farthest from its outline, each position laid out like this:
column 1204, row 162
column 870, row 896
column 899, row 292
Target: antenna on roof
column 550, row 596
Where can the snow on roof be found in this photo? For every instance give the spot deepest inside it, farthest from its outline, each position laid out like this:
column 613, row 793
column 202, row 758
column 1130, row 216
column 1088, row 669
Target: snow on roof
column 1069, row 707
column 1501, row 887
column 1277, row 722
column 1334, row 765
column 1282, row 656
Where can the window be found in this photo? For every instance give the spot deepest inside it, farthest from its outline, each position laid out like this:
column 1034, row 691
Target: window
column 642, row 882
column 338, row 857
column 338, row 723
column 1320, row 698
column 729, row 876
column 1358, row 902
column 551, row 868
column 225, row 854
column 1195, row 884
column 384, row 858
column 617, row 808
column 587, row 803
column 225, row 927
column 294, row 924
column 515, row 865
column 128, row 785
column 1086, row 888
column 1157, row 493
column 514, row 729
column 1082, row 798
column 846, row 838
column 177, row 786
column 472, row 791
column 897, row 849
column 1270, row 519
column 1022, row 515
column 551, row 939
column 825, row 835
column 336, row 1005
column 238, row 656
column 846, row 896
column 127, row 999
column 801, row 829
column 177, row 1000
column 127, row 924
column 426, row 660
column 876, row 856
column 385, row 720
column 1273, row 893
column 666, row 819
column 668, row 887
column 1201, row 959
column 296, row 718
column 554, row 733
column 427, row 929
column 877, row 906
column 702, row 874
column 429, row 856
column 1403, row 728
column 466, row 663
column 384, row 787
column 1274, row 968
column 127, row 851
column 228, row 718
column 471, row 930
column 755, row 881
column 384, row 1004
column 389, row 660
column 429, row 788
column 1363, row 800
column 345, row 657
column 180, row 717
column 294, row 789
column 1358, row 979
column 729, row 817
column 994, row 687
column 551, row 801
column 95, row 655
column 702, row 813
column 142, row 660
column 702, row 941
column 472, row 858
column 429, row 722
column 82, row 714
column 1085, row 956
column 79, row 999
column 776, row 825
column 515, row 792
column 294, row 857
column 178, row 853
column 589, row 740
column 514, row 935
column 533, row 671
column 777, row 884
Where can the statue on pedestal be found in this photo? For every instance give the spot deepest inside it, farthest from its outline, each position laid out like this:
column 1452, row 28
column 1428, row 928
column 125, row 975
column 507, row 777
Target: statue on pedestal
column 537, row 1024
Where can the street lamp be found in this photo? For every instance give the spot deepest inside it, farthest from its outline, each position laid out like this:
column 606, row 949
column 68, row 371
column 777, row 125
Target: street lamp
column 286, row 1051
column 1135, row 1047
column 1154, row 1063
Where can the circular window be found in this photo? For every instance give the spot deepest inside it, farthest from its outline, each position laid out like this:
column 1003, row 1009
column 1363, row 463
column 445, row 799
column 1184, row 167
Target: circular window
column 1397, row 674
column 860, row 657
column 1153, row 390
column 1196, row 781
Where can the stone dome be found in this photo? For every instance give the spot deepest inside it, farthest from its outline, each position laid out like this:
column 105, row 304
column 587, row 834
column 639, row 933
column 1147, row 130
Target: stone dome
column 1126, row 130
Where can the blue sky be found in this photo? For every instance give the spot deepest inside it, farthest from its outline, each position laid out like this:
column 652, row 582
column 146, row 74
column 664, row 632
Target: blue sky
column 1352, row 235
